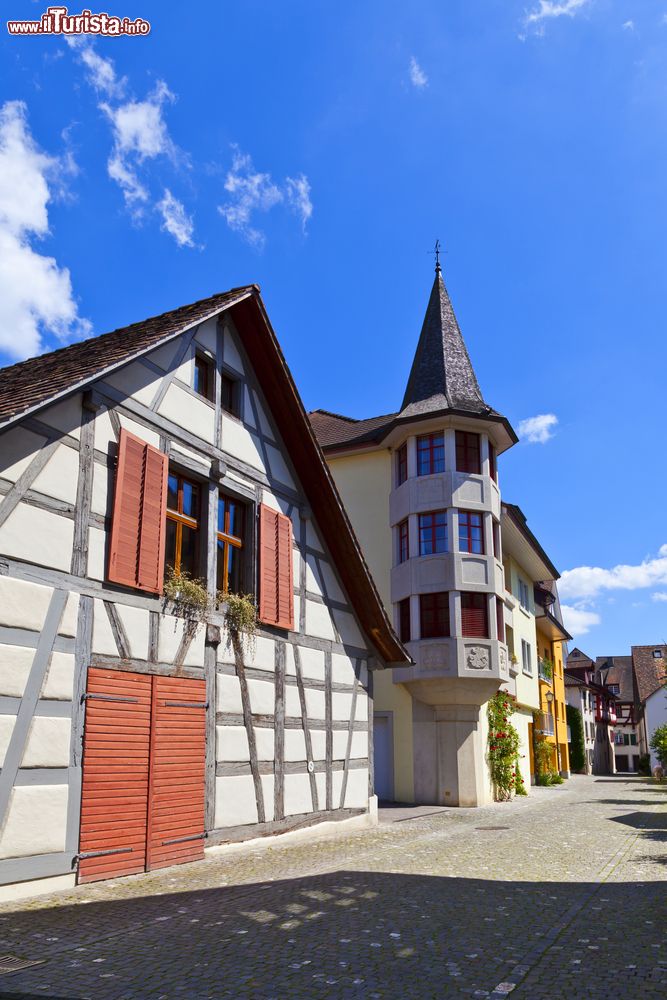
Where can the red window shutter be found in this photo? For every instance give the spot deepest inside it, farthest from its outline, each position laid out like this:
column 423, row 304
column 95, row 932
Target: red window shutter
column 474, row 617
column 138, row 524
column 276, row 589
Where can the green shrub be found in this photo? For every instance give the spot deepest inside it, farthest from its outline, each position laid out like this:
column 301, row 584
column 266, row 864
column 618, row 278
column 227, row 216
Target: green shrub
column 658, row 744
column 577, row 745
column 503, row 747
column 644, row 765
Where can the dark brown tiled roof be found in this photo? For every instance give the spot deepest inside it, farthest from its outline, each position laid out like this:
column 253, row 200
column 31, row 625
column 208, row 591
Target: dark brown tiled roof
column 650, row 670
column 333, row 429
column 36, row 381
column 618, row 670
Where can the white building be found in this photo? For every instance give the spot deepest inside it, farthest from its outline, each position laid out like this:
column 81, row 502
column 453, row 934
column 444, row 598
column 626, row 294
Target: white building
column 650, row 668
column 132, row 737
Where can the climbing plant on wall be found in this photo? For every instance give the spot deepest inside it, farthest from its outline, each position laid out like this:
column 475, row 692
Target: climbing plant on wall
column 577, row 745
column 503, row 747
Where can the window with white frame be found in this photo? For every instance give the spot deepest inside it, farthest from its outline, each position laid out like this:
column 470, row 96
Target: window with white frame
column 526, row 657
column 524, row 599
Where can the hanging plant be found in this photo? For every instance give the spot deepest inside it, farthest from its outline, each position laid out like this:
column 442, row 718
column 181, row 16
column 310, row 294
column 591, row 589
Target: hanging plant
column 503, row 747
column 241, row 619
column 189, row 596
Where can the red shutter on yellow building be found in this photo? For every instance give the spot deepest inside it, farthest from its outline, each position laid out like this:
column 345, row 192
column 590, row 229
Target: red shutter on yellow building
column 276, row 589
column 138, row 525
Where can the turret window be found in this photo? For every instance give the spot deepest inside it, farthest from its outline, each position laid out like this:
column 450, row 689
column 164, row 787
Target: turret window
column 468, row 457
column 471, row 534
column 401, row 464
column 404, row 630
column 430, row 454
column 403, row 542
column 493, row 465
column 434, row 615
column 474, row 615
column 432, row 533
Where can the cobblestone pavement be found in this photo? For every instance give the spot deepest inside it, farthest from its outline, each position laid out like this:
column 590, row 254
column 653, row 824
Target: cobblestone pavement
column 561, row 895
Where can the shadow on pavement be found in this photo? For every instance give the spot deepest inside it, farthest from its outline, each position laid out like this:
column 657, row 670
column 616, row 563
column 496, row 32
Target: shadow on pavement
column 348, row 934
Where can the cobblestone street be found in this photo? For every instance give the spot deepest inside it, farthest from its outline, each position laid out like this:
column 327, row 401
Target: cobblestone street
column 559, row 895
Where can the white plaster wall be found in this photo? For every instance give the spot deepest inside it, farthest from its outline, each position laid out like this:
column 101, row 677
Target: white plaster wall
column 341, row 705
column 235, row 803
column 171, row 633
column 238, row 441
column 48, row 743
column 18, row 447
column 264, row 654
column 36, row 821
column 231, row 355
column 312, row 537
column 232, row 743
column 96, row 554
column 318, row 741
column 521, row 720
column 315, row 704
column 103, row 640
column 312, row 663
column 23, row 604
column 38, row 536
column 295, row 744
column 68, row 622
column 333, row 588
column 313, row 581
column 65, row 416
column 6, row 729
column 359, row 746
column 339, row 744
column 228, row 694
column 279, row 468
column 59, row 680
column 264, row 424
column 342, row 669
column 206, row 335
column 262, row 697
column 292, row 701
column 136, row 622
column 189, row 412
column 348, row 628
column 147, row 435
column 60, row 475
column 290, row 668
column 265, row 742
column 298, row 798
column 15, row 664
column 164, row 356
column 100, row 495
column 656, row 716
column 318, row 621
column 136, row 380
column 356, row 794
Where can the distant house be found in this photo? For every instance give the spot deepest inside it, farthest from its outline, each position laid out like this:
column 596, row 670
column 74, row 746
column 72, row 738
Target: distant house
column 650, row 667
column 132, row 735
column 618, row 675
column 586, row 689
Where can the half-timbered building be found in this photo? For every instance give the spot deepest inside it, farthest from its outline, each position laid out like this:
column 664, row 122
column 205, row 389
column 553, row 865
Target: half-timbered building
column 132, row 735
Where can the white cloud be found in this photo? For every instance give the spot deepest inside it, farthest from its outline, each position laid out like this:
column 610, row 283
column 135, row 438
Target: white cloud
column 101, row 71
column 298, row 196
column 628, row 26
column 418, row 77
column 175, row 220
column 140, row 133
column 578, row 621
column 660, row 595
column 35, row 293
column 539, row 429
column 549, row 9
column 589, row 581
column 252, row 191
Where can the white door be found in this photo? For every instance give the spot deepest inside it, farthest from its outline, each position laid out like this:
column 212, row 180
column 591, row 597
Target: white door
column 383, row 757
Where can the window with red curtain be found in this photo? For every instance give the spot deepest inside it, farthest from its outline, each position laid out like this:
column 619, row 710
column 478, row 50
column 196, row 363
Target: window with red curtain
column 468, row 452
column 493, row 466
column 402, row 464
column 403, row 542
column 430, row 454
column 404, row 629
column 500, row 619
column 474, row 615
column 471, row 532
column 434, row 615
column 432, row 533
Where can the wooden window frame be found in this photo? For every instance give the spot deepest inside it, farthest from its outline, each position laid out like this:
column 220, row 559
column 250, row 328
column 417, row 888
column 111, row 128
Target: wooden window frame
column 203, row 363
column 404, row 622
column 402, row 465
column 500, row 619
column 234, row 407
column 439, row 602
column 493, row 463
column 466, row 525
column 184, row 520
column 430, row 529
column 231, row 541
column 469, row 448
column 403, row 541
column 426, row 445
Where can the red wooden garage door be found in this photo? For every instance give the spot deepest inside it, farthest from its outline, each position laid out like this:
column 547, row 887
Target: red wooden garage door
column 176, row 789
column 115, row 774
column 143, row 773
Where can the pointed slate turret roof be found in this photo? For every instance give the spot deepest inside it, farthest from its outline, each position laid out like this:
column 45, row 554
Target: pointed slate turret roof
column 442, row 375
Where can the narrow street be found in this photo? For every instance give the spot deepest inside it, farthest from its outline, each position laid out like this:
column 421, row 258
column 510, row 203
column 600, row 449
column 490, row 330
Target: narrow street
column 563, row 894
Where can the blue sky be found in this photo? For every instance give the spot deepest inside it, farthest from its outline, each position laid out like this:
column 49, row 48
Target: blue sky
column 319, row 149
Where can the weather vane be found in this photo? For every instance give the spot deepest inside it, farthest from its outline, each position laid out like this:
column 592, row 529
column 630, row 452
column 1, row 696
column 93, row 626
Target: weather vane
column 437, row 251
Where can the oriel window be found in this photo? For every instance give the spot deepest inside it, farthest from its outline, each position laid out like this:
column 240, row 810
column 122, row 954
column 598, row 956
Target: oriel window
column 432, row 533
column 430, row 454
column 468, row 452
column 471, row 536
